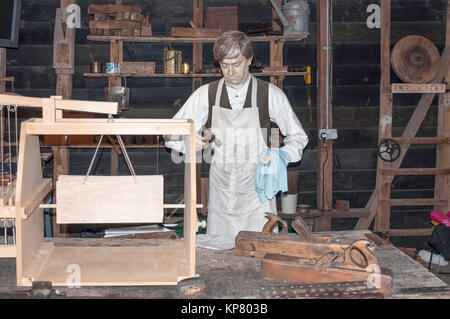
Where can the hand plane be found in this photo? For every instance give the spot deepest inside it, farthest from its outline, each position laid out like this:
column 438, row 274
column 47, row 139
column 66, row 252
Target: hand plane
column 307, row 258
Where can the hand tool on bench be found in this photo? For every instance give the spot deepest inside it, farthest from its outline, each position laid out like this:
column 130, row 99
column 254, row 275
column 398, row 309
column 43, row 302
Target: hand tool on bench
column 305, row 258
column 331, row 267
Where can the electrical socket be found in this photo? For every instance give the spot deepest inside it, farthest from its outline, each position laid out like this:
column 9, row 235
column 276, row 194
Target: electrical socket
column 328, row 134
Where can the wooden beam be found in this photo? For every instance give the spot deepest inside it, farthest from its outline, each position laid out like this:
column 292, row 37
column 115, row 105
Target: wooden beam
column 116, row 55
column 415, row 171
column 324, row 150
column 112, row 8
column 197, row 56
column 442, row 183
column 423, row 140
column 195, row 32
column 2, row 69
column 408, row 232
column 412, row 202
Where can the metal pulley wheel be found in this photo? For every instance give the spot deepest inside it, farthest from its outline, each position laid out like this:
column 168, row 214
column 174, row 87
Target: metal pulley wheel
column 389, row 150
column 415, row 59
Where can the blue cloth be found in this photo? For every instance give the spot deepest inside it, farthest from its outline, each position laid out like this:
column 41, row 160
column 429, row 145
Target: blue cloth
column 271, row 178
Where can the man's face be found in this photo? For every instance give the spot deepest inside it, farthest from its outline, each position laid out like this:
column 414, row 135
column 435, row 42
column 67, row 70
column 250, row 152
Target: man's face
column 235, row 71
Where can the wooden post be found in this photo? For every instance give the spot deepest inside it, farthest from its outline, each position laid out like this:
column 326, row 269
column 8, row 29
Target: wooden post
column 2, row 69
column 324, row 150
column 114, row 162
column 442, row 182
column 382, row 220
column 60, row 167
column 276, row 60
column 276, row 47
column 197, row 57
column 116, row 55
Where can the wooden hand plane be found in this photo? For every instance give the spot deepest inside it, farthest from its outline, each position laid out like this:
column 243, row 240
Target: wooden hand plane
column 305, row 258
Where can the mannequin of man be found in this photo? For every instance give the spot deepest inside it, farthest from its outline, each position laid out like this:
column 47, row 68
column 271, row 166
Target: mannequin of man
column 238, row 110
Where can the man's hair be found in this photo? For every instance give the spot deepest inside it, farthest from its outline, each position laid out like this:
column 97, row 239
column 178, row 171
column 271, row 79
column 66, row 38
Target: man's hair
column 232, row 43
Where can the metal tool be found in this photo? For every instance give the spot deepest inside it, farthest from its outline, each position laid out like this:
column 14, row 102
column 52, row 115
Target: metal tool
column 389, row 150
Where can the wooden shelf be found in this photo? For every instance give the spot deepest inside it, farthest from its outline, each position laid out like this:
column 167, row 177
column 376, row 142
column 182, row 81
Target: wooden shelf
column 104, row 38
column 191, row 75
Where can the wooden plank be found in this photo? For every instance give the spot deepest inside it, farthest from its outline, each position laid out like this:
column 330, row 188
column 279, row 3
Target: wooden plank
column 190, row 198
column 195, row 32
column 93, row 128
column 116, row 266
column 29, row 168
column 6, row 99
column 112, row 8
column 409, row 232
column 29, row 239
column 40, row 194
column 190, row 75
column 87, row 106
column 413, row 202
column 115, row 24
column 415, row 171
column 423, row 140
column 96, row 200
column 418, row 88
column 188, row 39
column 8, row 251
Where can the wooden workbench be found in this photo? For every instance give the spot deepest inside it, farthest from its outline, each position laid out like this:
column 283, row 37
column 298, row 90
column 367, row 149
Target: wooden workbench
column 228, row 276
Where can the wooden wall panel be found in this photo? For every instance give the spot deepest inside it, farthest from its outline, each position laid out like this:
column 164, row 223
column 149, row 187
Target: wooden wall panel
column 356, row 78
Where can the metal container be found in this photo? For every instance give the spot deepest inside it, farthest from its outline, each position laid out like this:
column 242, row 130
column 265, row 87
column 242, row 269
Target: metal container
column 112, row 67
column 186, row 68
column 295, row 17
column 172, row 62
column 96, row 67
column 118, row 94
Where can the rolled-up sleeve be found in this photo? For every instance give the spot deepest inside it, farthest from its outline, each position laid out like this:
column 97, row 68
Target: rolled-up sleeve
column 281, row 113
column 196, row 109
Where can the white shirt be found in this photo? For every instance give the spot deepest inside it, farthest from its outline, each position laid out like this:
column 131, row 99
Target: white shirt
column 280, row 112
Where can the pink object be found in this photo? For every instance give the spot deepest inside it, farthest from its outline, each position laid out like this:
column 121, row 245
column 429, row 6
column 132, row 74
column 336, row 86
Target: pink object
column 440, row 217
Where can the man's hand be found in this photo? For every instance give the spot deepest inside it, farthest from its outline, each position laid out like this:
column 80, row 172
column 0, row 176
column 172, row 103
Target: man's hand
column 199, row 143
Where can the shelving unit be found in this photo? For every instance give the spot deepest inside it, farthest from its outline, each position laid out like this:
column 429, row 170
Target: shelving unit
column 116, row 55
column 190, row 75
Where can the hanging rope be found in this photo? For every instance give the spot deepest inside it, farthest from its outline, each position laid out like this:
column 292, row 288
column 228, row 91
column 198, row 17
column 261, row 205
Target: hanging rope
column 122, row 147
column 17, row 136
column 9, row 144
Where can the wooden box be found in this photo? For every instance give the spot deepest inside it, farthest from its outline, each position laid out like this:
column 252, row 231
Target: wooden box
column 223, row 18
column 141, row 68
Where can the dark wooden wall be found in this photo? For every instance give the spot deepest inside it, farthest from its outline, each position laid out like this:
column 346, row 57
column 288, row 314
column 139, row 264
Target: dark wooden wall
column 356, row 73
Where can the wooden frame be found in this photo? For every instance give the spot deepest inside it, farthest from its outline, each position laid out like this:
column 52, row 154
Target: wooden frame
column 379, row 203
column 162, row 263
